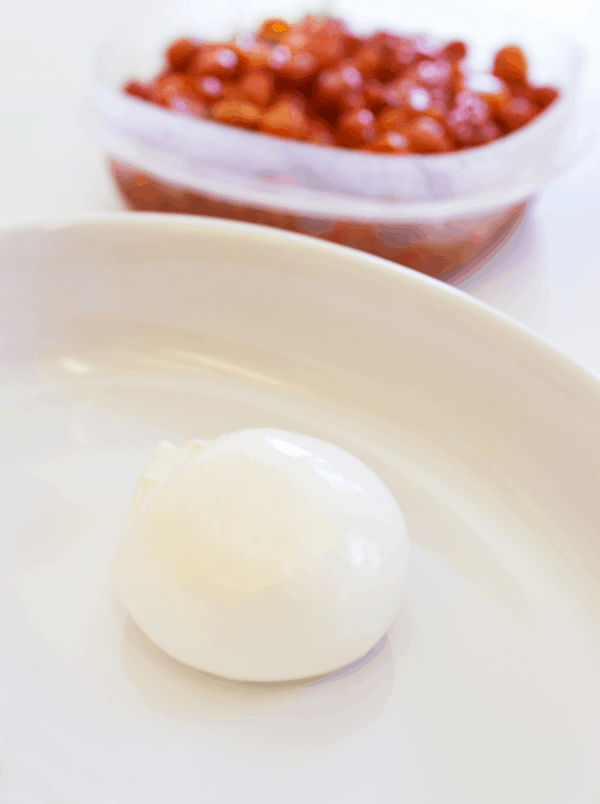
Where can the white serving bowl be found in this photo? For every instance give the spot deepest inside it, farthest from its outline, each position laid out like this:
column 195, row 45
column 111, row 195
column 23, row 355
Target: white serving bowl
column 122, row 330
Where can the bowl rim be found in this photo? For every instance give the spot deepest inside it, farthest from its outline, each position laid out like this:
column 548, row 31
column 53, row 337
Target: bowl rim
column 355, row 261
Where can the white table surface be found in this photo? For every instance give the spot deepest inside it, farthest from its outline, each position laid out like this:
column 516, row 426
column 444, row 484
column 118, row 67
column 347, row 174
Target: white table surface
column 547, row 276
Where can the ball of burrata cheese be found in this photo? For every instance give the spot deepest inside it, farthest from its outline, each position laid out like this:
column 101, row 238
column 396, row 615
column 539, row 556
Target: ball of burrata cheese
column 265, row 556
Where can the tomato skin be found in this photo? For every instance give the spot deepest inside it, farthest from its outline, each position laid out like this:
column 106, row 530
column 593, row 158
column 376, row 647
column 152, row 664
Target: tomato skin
column 317, row 81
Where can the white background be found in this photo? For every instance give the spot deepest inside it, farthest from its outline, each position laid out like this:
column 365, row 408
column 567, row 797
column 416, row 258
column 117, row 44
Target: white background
column 546, row 277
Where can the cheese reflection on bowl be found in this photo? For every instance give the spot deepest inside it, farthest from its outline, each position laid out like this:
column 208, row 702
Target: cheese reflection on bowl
column 264, row 555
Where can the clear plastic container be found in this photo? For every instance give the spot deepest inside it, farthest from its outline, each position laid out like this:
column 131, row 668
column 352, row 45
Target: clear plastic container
column 433, row 213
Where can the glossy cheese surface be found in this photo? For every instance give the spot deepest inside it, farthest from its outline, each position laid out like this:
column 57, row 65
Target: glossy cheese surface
column 266, row 555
